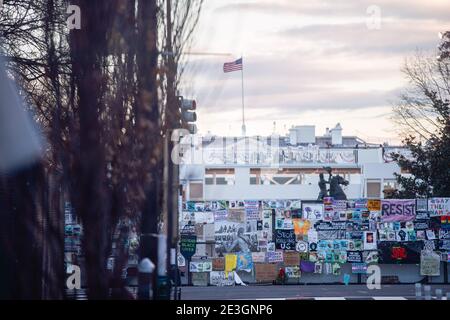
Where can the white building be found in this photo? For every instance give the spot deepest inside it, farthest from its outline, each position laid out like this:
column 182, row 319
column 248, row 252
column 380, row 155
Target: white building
column 284, row 167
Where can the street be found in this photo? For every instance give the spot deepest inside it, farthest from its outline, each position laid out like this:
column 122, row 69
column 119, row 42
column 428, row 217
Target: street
column 316, row 292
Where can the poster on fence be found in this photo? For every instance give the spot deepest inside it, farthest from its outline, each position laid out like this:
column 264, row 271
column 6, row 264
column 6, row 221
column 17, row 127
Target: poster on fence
column 218, row 264
column 359, row 268
column 430, row 263
column 399, row 210
column 200, row 266
column 275, row 256
column 312, row 211
column 221, row 279
column 374, row 204
column 244, row 262
column 204, row 217
column 285, row 239
column 400, row 252
column 438, row 206
column 292, row 272
column 259, row 257
column 265, row 272
column 370, row 240
column 232, row 237
column 291, row 258
column 200, row 279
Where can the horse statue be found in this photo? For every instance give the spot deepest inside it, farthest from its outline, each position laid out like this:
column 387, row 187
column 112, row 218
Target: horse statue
column 323, row 187
column 336, row 191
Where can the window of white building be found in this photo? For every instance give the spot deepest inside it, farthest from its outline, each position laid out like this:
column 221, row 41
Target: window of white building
column 219, row 176
column 373, row 188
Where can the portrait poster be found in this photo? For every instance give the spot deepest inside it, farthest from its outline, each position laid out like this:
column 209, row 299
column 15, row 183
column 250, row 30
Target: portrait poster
column 430, row 263
column 370, row 240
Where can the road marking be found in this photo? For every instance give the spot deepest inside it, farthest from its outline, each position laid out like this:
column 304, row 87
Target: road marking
column 329, row 298
column 389, row 298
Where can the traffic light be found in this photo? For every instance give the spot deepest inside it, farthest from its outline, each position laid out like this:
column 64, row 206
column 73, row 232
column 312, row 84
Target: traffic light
column 188, row 114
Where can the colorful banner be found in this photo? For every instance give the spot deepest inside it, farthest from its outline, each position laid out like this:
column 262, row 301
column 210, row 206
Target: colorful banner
column 439, row 206
column 244, row 262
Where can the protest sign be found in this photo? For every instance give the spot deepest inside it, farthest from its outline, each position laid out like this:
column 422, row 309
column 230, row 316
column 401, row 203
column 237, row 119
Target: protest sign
column 220, row 215
column 421, row 205
column 438, row 206
column 400, row 252
column 374, row 204
column 218, row 264
column 302, row 246
column 291, row 259
column 312, row 211
column 354, row 256
column 430, row 263
column 230, row 263
column 285, row 239
column 275, row 256
column 265, row 272
column 220, row 279
column 259, row 257
column 359, row 268
column 200, row 266
column 292, row 272
column 204, row 217
column 188, row 245
column 200, row 279
column 244, row 262
column 301, row 226
column 398, row 210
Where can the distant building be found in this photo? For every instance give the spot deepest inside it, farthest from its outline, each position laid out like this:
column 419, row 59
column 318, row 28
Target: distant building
column 284, row 167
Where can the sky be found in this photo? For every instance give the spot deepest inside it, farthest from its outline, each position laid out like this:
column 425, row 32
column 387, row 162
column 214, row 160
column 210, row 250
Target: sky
column 308, row 62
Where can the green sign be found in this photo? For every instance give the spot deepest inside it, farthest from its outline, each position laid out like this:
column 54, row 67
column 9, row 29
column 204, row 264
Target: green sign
column 188, row 244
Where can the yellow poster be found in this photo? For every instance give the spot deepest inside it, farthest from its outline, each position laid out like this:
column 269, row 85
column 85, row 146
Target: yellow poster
column 374, row 204
column 230, row 263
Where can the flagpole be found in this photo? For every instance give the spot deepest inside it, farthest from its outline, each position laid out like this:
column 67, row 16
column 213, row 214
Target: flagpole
column 242, row 81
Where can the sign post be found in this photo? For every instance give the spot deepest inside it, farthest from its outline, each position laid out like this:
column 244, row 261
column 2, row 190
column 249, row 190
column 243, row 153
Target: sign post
column 188, row 245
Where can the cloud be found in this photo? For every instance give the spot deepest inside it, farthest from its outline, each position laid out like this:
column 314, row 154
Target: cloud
column 436, row 10
column 394, row 37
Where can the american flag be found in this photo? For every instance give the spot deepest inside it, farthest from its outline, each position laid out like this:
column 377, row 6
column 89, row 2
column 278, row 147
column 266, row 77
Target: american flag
column 232, row 66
